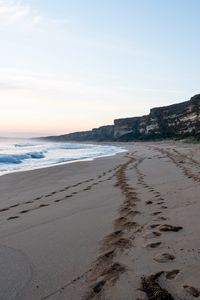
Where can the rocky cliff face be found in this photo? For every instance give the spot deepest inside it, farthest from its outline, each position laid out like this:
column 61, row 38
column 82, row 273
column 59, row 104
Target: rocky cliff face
column 177, row 120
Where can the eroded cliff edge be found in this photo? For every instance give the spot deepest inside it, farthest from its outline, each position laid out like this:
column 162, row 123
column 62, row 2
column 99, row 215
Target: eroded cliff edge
column 174, row 121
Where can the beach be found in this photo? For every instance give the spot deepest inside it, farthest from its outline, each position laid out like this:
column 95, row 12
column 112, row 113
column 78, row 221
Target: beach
column 122, row 227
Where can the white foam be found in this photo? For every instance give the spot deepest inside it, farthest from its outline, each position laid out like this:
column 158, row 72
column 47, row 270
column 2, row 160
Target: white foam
column 14, row 156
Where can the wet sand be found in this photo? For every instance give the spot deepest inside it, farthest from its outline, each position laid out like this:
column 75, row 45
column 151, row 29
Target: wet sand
column 117, row 228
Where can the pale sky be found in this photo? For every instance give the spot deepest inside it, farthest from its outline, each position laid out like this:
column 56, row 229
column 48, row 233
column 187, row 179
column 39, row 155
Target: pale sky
column 73, row 65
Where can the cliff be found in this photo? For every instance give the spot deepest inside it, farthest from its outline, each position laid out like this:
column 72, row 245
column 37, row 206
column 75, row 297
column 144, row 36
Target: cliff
column 103, row 133
column 177, row 120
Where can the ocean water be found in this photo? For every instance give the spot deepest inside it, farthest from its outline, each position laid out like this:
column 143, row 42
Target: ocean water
column 22, row 155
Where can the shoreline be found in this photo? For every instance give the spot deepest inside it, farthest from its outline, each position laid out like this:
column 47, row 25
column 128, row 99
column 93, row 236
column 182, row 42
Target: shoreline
column 94, row 229
column 70, row 161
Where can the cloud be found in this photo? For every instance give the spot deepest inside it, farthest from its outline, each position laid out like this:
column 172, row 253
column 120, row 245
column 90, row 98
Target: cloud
column 15, row 12
column 12, row 12
column 77, row 95
column 78, row 90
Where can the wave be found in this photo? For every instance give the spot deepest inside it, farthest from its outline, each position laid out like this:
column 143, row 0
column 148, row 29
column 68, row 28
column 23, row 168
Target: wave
column 27, row 155
column 19, row 158
column 70, row 146
column 37, row 155
column 25, row 145
column 79, row 146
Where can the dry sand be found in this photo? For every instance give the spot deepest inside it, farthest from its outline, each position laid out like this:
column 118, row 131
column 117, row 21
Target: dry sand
column 116, row 228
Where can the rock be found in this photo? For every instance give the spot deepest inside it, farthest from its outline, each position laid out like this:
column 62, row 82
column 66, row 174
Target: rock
column 177, row 120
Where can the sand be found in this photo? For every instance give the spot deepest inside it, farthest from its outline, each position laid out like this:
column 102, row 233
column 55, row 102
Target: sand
column 116, row 228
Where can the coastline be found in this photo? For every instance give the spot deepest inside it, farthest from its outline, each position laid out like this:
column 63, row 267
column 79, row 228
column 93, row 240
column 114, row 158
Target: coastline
column 93, row 229
column 61, row 159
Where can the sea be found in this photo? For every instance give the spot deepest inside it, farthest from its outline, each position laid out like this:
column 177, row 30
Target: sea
column 18, row 155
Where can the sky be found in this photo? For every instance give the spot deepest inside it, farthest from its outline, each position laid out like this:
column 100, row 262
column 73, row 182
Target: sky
column 74, row 65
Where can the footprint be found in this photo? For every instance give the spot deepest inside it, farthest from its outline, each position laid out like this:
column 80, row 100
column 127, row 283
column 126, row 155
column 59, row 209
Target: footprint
column 97, row 286
column 161, row 219
column 12, row 218
column 43, row 205
column 108, row 274
column 15, row 205
column 130, row 225
column 113, row 236
column 105, row 257
column 38, row 198
column 156, row 213
column 24, row 211
column 150, row 235
column 149, row 202
column 153, row 245
column 121, row 244
column 130, row 214
column 172, row 274
column 164, row 257
column 124, row 210
column 152, row 288
column 87, row 188
column 75, row 185
column 167, row 227
column 4, row 209
column 192, row 291
column 120, row 221
column 154, row 225
column 114, row 271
